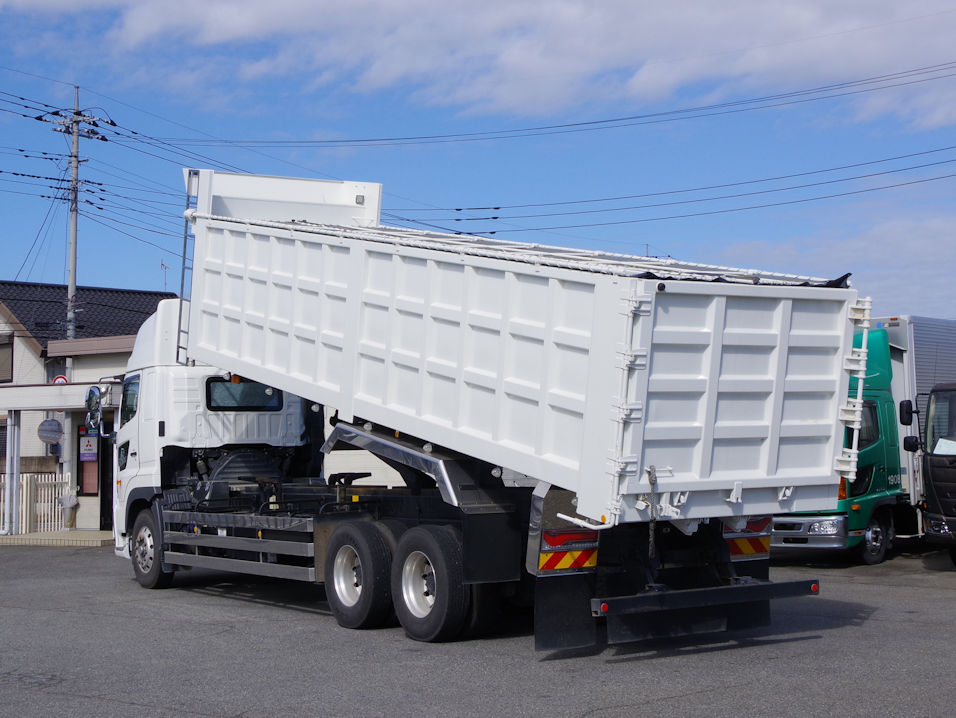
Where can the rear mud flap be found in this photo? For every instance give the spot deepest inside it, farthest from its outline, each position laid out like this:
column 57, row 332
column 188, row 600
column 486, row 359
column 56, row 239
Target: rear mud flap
column 562, row 612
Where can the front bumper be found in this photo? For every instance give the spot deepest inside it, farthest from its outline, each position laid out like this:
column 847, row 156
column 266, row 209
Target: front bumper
column 939, row 529
column 796, row 531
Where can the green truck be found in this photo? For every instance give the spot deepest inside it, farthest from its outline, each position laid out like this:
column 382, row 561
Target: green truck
column 906, row 357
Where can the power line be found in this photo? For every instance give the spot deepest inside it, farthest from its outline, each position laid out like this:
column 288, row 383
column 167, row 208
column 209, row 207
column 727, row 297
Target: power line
column 730, row 210
column 824, row 92
column 664, row 193
column 105, row 223
column 36, row 239
column 736, row 195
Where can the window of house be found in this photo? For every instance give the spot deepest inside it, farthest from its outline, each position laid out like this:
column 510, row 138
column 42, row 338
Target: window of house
column 6, row 357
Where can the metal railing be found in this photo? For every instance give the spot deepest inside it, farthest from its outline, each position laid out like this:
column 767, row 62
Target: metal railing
column 39, row 509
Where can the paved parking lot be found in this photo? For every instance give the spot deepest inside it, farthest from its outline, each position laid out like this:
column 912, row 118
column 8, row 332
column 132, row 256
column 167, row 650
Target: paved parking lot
column 80, row 637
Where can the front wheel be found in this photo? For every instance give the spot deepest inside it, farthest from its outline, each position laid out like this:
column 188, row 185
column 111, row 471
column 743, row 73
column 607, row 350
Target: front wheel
column 952, row 555
column 875, row 540
column 147, row 553
column 431, row 600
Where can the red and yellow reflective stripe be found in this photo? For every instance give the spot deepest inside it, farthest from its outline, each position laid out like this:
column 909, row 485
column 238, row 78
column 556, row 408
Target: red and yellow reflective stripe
column 558, row 560
column 748, row 547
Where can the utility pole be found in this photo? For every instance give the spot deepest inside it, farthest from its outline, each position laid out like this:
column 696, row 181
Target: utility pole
column 74, row 126
column 74, row 212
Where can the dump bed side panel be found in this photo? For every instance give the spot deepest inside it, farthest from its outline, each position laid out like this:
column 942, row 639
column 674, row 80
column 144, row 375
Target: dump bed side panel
column 505, row 361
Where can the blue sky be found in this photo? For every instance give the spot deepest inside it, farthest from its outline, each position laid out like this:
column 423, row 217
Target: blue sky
column 823, row 146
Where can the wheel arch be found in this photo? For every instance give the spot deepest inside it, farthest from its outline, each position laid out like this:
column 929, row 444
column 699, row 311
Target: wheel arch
column 136, row 501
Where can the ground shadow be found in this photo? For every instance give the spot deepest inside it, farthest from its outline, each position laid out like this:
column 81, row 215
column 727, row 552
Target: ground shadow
column 795, row 620
column 277, row 592
column 931, row 556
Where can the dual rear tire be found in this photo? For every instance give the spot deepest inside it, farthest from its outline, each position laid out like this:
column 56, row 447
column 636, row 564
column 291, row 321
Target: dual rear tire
column 369, row 574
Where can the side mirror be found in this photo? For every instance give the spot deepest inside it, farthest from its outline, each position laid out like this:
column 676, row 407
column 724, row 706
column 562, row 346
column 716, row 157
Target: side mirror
column 911, row 443
column 906, row 412
column 94, row 410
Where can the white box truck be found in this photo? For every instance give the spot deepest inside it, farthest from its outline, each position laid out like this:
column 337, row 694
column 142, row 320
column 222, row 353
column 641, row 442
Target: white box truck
column 592, row 430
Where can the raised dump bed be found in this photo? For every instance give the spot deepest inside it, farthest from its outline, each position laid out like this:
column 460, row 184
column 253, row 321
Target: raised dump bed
column 652, row 388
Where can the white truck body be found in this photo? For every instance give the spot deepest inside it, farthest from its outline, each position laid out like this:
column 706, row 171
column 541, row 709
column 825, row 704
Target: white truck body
column 652, row 389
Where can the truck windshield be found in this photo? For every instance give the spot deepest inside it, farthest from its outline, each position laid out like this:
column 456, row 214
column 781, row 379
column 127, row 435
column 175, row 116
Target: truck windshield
column 941, row 423
column 244, row 395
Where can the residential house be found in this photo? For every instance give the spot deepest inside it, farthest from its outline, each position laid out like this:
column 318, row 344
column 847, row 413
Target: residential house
column 33, row 354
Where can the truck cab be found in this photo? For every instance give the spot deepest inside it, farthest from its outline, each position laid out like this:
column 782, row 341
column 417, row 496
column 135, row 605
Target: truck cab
column 193, row 427
column 871, row 507
column 939, row 467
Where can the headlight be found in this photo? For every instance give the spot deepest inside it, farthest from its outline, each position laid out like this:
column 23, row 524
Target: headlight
column 830, row 527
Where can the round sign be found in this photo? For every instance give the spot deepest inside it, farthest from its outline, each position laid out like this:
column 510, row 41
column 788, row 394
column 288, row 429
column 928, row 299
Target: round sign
column 50, row 431
column 60, row 380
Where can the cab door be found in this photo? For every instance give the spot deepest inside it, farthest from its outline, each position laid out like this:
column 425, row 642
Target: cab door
column 127, row 448
column 871, row 463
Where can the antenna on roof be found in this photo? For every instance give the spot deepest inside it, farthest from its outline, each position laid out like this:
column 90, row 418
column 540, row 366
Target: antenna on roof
column 162, row 265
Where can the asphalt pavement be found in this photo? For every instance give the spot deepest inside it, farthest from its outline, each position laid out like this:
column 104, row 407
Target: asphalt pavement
column 79, row 637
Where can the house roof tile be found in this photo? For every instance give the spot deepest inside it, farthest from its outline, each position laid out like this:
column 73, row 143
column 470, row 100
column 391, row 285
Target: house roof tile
column 100, row 311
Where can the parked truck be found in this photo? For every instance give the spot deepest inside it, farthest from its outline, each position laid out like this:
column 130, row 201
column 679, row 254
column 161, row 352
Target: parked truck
column 937, row 450
column 600, row 435
column 906, row 356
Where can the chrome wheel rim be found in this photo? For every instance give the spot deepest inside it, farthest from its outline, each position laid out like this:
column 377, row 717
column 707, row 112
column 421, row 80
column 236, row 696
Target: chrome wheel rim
column 143, row 549
column 347, row 575
column 418, row 584
column 874, row 538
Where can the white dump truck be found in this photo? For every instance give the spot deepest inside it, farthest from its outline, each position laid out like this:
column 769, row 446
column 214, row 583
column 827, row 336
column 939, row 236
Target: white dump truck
column 591, row 432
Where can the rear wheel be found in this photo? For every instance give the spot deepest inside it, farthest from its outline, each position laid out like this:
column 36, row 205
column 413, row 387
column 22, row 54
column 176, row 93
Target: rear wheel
column 357, row 565
column 431, row 601
column 146, row 551
column 875, row 540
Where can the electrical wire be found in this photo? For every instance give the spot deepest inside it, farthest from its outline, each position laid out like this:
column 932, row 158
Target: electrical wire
column 836, row 90
column 728, row 210
column 735, row 195
column 46, row 218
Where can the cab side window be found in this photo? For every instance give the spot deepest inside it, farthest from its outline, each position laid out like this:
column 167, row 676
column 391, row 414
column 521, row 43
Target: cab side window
column 130, row 399
column 869, row 427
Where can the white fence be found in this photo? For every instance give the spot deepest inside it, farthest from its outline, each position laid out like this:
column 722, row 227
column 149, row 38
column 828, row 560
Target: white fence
column 39, row 510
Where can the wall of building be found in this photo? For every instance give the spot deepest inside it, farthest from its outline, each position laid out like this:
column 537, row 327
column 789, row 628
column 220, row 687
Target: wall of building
column 98, row 366
column 28, row 368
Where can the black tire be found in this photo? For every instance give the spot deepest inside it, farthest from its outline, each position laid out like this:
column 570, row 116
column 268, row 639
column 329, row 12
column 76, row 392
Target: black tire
column 392, row 530
column 146, row 551
column 357, row 565
column 872, row 550
column 431, row 601
column 952, row 555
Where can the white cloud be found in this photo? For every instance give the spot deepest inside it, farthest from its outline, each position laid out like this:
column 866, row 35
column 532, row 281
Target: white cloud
column 528, row 57
column 905, row 265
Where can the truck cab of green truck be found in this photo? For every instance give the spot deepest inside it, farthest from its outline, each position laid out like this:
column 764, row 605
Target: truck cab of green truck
column 874, row 506
column 907, row 357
